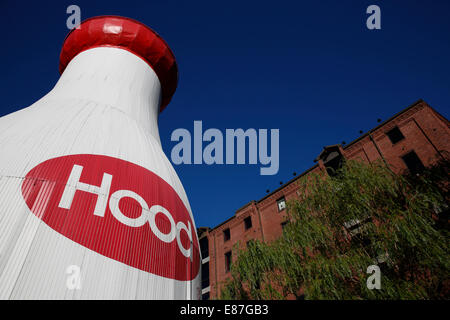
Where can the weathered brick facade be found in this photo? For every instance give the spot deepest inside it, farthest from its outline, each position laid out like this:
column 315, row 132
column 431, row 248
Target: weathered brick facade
column 416, row 132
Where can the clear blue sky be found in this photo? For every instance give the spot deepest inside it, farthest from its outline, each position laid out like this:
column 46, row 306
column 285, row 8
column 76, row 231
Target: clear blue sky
column 310, row 68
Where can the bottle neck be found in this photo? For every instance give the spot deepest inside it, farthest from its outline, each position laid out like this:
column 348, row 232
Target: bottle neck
column 116, row 78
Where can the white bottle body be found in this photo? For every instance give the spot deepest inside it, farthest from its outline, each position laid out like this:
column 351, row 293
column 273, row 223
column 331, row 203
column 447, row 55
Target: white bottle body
column 105, row 103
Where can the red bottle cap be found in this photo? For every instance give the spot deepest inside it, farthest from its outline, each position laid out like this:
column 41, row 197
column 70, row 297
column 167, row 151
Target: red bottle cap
column 130, row 35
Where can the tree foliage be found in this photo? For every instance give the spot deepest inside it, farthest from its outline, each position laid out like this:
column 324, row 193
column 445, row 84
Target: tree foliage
column 364, row 215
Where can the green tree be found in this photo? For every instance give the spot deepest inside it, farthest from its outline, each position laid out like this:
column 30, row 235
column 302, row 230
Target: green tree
column 364, row 215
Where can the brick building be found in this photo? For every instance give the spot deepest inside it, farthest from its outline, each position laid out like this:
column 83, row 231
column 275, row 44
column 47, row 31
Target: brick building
column 414, row 138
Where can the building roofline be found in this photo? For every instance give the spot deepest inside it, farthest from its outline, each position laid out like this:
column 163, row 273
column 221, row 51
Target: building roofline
column 344, row 147
column 316, row 165
column 287, row 183
column 438, row 114
column 245, row 206
column 266, row 196
column 384, row 123
column 229, row 219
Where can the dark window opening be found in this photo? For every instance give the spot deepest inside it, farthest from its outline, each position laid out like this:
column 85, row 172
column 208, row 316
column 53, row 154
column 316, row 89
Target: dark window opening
column 332, row 159
column 248, row 223
column 333, row 163
column 413, row 162
column 356, row 226
column 395, row 135
column 204, row 247
column 357, row 230
column 205, row 275
column 228, row 261
column 226, row 234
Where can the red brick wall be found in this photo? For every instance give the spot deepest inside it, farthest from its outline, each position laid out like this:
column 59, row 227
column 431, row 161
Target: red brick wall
column 425, row 131
column 218, row 246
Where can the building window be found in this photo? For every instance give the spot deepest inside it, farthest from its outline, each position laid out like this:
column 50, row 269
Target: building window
column 281, row 204
column 228, row 261
column 226, row 234
column 204, row 247
column 413, row 162
column 395, row 135
column 355, row 226
column 357, row 230
column 333, row 163
column 248, row 222
column 205, row 275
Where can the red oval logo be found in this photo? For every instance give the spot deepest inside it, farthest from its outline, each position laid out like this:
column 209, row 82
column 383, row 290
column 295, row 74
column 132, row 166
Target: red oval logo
column 117, row 209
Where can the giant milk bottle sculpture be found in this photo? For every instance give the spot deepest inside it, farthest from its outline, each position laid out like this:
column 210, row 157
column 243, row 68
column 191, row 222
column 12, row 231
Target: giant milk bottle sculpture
column 91, row 208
